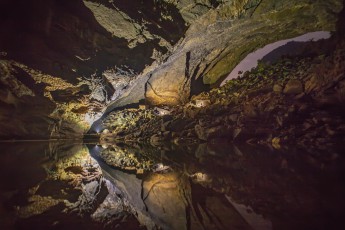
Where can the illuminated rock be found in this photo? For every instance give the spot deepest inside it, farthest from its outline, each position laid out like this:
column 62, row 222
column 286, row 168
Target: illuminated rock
column 202, row 103
column 161, row 112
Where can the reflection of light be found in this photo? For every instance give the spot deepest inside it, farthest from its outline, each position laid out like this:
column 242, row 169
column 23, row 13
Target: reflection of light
column 96, row 149
column 97, row 129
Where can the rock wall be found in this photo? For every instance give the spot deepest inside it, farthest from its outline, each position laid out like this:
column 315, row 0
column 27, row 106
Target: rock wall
column 177, row 46
column 48, row 48
column 220, row 39
column 30, row 108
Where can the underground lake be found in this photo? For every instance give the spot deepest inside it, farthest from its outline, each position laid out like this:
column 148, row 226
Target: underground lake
column 172, row 114
column 66, row 185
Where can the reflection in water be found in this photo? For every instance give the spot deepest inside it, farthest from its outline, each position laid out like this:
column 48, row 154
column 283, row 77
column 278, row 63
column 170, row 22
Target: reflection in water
column 53, row 185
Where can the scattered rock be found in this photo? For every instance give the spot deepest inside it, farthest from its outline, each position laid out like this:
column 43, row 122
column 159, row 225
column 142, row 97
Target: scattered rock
column 276, row 143
column 277, row 88
column 293, row 87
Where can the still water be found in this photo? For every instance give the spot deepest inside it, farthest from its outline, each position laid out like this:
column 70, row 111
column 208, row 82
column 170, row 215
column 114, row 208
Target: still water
column 69, row 185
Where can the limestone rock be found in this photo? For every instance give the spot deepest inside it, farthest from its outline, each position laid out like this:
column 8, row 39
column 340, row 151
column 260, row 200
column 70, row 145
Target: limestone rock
column 293, row 87
column 277, row 88
column 312, row 84
column 206, row 134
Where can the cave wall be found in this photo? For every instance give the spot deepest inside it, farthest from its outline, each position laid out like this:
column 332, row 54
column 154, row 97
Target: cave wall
column 47, row 47
column 216, row 42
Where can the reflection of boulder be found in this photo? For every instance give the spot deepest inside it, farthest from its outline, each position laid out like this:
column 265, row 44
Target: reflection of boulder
column 125, row 158
column 169, row 199
column 210, row 210
column 163, row 195
column 284, row 186
column 130, row 187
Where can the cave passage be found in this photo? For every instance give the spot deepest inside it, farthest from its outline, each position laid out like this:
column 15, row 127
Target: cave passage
column 272, row 52
column 111, row 116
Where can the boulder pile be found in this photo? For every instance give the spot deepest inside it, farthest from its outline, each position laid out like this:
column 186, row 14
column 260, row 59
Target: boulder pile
column 297, row 100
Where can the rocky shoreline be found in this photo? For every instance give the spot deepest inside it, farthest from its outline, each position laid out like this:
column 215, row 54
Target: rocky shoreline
column 297, row 100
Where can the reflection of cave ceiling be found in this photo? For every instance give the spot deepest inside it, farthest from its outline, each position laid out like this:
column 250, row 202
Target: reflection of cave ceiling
column 47, row 46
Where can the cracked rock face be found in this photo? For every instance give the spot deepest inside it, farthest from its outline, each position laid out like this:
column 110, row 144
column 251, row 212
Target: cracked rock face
column 65, row 43
column 218, row 40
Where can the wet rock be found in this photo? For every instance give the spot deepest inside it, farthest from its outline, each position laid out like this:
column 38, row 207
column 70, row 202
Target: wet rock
column 277, row 88
column 312, row 84
column 236, row 133
column 201, row 132
column 167, row 134
column 212, row 132
column 156, row 139
column 191, row 112
column 293, row 87
column 179, row 124
column 276, row 143
column 233, row 117
column 250, row 111
column 202, row 103
column 165, row 126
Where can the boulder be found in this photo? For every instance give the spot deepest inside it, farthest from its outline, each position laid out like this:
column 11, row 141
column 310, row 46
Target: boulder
column 277, row 88
column 293, row 87
column 202, row 103
column 312, row 84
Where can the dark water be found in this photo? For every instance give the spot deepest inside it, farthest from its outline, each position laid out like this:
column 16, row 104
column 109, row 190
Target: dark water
column 67, row 185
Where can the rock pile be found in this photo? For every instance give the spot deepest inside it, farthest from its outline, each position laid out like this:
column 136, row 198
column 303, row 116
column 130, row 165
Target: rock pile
column 295, row 100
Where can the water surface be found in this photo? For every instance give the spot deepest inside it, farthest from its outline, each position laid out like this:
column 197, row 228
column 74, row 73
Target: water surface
column 65, row 185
